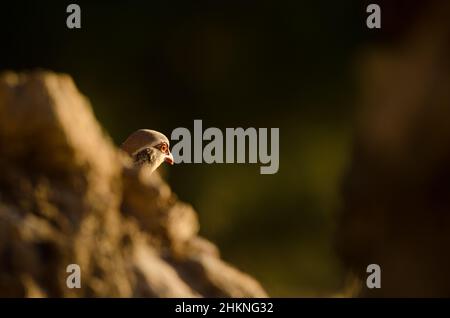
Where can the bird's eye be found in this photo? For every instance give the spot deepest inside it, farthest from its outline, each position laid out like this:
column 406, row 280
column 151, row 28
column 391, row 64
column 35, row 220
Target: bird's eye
column 164, row 148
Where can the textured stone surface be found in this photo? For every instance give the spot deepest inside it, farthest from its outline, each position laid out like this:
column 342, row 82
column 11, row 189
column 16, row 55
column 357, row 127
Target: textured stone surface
column 68, row 195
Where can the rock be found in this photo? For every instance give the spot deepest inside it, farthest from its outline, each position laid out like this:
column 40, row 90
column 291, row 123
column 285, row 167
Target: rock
column 69, row 196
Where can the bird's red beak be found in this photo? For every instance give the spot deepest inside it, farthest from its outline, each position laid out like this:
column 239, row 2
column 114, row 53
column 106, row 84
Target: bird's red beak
column 169, row 158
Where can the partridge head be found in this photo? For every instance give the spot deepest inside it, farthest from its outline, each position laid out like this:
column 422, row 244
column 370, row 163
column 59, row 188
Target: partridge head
column 148, row 148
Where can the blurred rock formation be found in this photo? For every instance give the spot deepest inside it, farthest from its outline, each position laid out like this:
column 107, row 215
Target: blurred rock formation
column 397, row 192
column 69, row 196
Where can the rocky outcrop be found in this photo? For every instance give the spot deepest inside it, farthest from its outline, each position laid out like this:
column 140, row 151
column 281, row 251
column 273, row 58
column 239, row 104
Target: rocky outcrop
column 69, row 196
